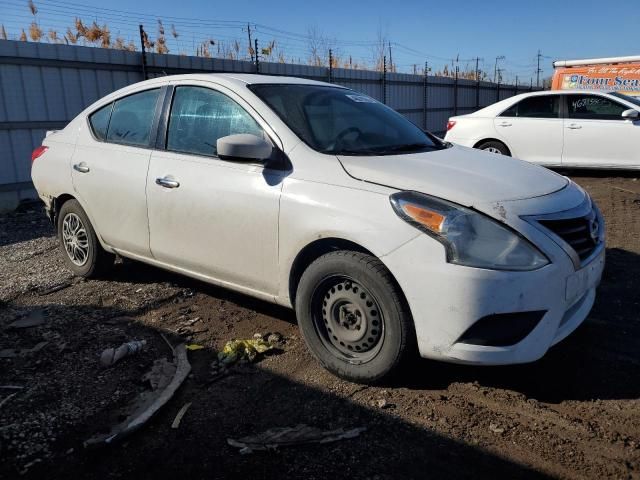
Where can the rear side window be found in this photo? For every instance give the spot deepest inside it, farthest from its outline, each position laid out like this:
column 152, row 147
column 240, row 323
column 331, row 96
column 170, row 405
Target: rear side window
column 100, row 122
column 593, row 107
column 132, row 117
column 200, row 116
column 539, row 106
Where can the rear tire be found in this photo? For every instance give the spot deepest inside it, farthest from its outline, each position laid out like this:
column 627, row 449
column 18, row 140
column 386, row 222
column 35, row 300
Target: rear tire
column 353, row 317
column 494, row 146
column 81, row 250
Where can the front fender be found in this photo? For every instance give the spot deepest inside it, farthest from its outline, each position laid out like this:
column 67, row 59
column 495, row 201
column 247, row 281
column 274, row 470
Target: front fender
column 311, row 211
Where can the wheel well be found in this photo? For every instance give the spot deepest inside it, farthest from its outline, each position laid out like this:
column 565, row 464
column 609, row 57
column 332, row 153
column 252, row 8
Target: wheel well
column 311, row 253
column 57, row 206
column 485, row 140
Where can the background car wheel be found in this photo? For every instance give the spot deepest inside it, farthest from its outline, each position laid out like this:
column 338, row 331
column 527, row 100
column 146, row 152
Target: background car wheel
column 353, row 316
column 82, row 252
column 494, row 146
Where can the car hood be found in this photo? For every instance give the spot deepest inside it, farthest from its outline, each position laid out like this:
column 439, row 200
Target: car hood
column 459, row 174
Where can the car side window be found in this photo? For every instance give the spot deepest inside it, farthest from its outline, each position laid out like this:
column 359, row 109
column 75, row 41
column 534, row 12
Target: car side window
column 132, row 118
column 593, row 107
column 538, row 106
column 99, row 121
column 200, row 116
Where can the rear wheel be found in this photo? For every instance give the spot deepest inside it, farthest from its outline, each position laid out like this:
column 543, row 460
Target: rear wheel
column 494, row 146
column 353, row 317
column 82, row 251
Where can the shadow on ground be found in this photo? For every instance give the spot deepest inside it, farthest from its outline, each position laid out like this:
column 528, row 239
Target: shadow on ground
column 66, row 392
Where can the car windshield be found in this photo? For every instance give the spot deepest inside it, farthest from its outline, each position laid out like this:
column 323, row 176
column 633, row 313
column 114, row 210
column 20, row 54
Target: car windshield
column 628, row 98
column 339, row 121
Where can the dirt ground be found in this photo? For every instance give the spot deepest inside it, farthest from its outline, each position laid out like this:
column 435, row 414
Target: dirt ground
column 573, row 414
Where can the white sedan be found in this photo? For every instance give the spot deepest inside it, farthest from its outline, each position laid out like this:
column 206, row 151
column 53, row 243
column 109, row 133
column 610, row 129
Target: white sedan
column 557, row 129
column 383, row 238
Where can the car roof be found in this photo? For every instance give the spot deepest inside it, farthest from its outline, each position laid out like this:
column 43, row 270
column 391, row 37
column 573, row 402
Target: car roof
column 498, row 107
column 242, row 79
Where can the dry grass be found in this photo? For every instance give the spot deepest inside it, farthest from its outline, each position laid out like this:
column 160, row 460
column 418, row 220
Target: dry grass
column 70, row 37
column 100, row 36
column 35, row 32
column 53, row 36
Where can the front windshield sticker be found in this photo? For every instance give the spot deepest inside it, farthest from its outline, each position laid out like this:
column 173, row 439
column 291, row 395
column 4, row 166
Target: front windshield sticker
column 361, row 99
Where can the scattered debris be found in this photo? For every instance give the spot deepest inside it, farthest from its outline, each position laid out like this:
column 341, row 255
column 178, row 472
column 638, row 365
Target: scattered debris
column 12, row 387
column 382, row 403
column 33, row 319
column 194, row 346
column 148, row 404
column 495, row 428
column 111, row 356
column 275, row 338
column 243, row 350
column 286, row 436
column 180, row 414
column 54, row 288
column 160, row 374
column 191, row 322
column 14, row 352
column 9, row 397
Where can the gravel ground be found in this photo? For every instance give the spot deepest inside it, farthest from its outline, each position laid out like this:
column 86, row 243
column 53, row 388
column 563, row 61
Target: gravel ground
column 573, row 414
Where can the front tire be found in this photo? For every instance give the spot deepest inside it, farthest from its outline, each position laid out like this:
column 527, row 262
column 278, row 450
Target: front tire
column 81, row 250
column 353, row 317
column 494, row 146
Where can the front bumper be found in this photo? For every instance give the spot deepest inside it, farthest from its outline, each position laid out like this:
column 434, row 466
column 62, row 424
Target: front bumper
column 447, row 299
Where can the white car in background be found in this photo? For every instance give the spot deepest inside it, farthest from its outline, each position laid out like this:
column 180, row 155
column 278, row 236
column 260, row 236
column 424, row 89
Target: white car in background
column 384, row 239
column 557, row 129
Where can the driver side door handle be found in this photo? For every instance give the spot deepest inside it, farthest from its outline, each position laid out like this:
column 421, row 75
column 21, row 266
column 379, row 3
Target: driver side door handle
column 167, row 182
column 81, row 167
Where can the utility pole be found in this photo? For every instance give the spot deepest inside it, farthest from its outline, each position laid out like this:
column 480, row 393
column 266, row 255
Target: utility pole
column 384, row 79
column 495, row 67
column 516, row 84
column 330, row 66
column 144, row 52
column 425, row 93
column 390, row 58
column 538, row 70
column 256, row 54
column 455, row 91
column 477, row 83
column 249, row 34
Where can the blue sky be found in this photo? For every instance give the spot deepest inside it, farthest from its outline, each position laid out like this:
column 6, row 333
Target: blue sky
column 419, row 30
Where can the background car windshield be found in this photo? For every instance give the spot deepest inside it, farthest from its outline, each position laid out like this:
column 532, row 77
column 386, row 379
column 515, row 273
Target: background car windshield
column 628, row 98
column 340, row 121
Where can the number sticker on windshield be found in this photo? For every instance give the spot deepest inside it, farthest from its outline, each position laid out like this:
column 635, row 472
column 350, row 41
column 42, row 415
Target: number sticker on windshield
column 361, row 99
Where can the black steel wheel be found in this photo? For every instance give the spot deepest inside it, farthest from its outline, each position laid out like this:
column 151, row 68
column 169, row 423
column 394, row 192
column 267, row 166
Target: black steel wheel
column 353, row 316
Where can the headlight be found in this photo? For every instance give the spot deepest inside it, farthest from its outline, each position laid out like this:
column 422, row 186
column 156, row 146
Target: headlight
column 470, row 238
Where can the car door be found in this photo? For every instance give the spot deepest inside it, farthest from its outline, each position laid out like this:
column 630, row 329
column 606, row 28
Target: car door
column 596, row 135
column 532, row 129
column 109, row 169
column 213, row 217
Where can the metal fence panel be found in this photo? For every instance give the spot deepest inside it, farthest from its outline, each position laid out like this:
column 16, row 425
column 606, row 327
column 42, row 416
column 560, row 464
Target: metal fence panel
column 43, row 86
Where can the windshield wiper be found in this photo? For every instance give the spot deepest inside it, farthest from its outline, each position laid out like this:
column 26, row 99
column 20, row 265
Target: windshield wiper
column 364, row 151
column 408, row 147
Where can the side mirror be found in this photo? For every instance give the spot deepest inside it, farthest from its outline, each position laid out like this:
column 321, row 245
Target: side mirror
column 243, row 147
column 631, row 114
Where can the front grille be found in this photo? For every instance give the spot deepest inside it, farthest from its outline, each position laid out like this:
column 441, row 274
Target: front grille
column 580, row 233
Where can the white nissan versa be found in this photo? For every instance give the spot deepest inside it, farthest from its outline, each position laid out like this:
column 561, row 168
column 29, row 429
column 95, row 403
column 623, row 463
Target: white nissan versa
column 385, row 239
